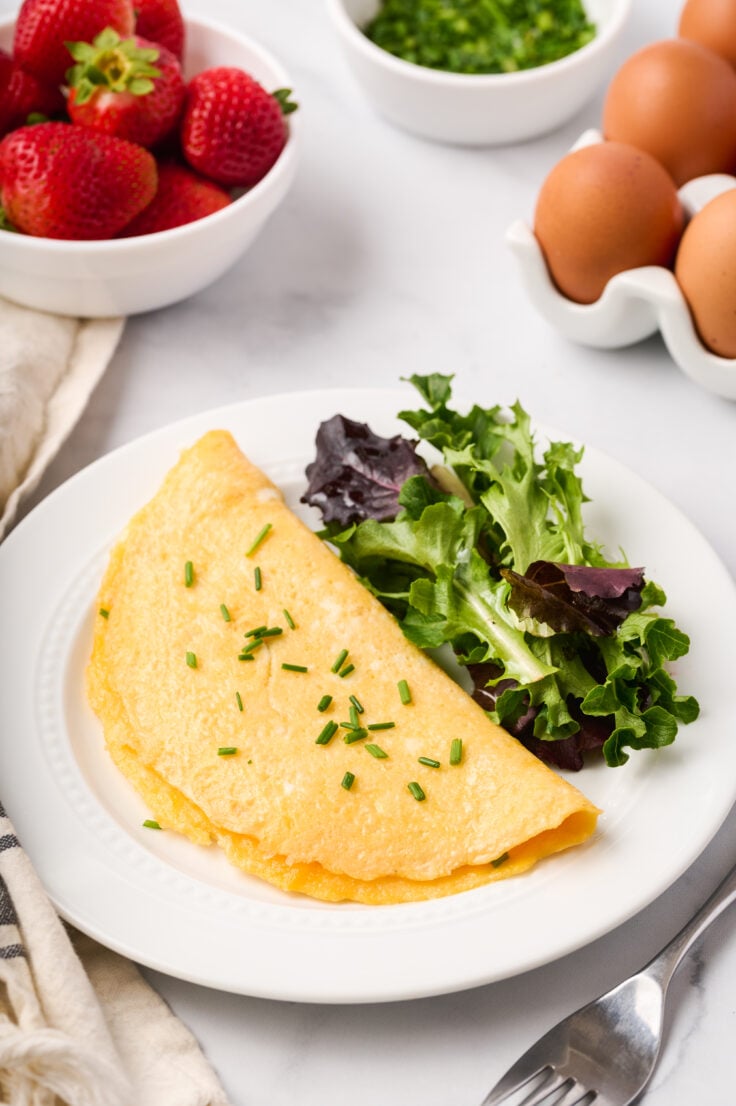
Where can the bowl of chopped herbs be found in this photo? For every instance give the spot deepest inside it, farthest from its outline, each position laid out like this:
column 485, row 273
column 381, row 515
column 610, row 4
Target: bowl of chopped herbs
column 480, row 72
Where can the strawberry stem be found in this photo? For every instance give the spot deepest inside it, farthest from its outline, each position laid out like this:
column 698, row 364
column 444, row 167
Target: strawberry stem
column 112, row 64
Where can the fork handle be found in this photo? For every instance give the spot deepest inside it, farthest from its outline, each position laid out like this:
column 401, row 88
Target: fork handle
column 664, row 965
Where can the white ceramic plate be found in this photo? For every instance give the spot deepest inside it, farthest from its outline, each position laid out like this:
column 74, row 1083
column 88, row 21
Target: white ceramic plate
column 183, row 909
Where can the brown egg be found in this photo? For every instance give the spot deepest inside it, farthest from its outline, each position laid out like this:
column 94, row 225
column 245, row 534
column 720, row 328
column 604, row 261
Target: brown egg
column 705, row 269
column 712, row 23
column 604, row 209
column 677, row 100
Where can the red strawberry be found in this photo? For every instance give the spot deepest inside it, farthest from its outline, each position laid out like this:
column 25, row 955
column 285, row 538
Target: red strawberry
column 22, row 94
column 161, row 21
column 44, row 26
column 132, row 88
column 233, row 130
column 182, row 197
column 62, row 181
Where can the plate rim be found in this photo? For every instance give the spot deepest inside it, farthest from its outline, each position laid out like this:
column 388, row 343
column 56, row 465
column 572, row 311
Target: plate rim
column 375, row 990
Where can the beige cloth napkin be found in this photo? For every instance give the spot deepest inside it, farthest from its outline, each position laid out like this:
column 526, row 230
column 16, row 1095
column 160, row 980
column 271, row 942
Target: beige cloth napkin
column 79, row 1026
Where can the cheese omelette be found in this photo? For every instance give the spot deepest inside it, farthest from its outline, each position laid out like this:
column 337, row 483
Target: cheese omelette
column 261, row 699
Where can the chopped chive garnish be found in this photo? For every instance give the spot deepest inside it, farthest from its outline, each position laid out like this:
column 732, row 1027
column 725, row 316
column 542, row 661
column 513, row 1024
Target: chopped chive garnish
column 381, row 725
column 252, row 646
column 289, row 620
column 417, row 791
column 256, row 632
column 104, row 612
column 327, row 734
column 192, row 660
column 295, row 667
column 246, row 657
column 348, row 780
column 404, row 692
column 188, row 574
column 349, row 726
column 357, row 704
column 376, row 751
column 227, row 751
column 340, row 660
column 257, row 578
column 266, row 529
column 346, row 671
column 225, row 613
column 429, row 762
column 273, row 632
column 238, row 700
column 354, row 735
column 151, row 824
column 354, row 717
column 499, row 860
column 324, row 703
column 456, row 750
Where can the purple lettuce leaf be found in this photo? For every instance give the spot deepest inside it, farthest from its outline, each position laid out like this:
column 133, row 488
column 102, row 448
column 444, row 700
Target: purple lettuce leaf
column 357, row 474
column 566, row 753
column 572, row 598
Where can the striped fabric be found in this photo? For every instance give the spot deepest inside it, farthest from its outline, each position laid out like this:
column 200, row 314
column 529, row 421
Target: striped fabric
column 11, row 945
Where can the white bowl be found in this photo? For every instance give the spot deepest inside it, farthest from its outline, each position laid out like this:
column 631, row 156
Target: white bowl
column 478, row 109
column 634, row 304
column 130, row 275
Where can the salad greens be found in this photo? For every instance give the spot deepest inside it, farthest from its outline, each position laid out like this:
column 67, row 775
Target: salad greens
column 487, row 553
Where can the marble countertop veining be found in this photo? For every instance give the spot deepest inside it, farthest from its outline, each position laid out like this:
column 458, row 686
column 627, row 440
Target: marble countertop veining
column 388, row 258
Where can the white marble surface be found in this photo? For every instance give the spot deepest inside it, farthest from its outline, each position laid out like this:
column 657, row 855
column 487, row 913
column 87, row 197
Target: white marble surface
column 388, row 258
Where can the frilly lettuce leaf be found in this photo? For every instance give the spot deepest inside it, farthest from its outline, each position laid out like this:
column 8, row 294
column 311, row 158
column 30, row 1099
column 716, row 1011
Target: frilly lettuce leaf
column 566, row 649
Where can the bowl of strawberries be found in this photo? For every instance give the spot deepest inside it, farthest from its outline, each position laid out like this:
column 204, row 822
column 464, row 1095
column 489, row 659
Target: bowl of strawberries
column 140, row 153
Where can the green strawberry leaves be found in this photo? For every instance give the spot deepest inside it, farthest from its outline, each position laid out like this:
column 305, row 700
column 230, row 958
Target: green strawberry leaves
column 112, row 64
column 281, row 96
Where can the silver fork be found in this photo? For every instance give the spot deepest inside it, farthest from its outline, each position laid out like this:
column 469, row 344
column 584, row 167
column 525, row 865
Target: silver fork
column 605, row 1052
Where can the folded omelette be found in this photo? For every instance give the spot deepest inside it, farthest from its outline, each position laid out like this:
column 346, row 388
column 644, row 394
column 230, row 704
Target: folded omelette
column 261, row 699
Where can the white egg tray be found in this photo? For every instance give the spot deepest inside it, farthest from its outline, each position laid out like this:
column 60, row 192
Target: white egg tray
column 634, row 304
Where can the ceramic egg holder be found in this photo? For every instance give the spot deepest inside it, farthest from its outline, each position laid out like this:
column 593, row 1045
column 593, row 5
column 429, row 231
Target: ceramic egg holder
column 635, row 303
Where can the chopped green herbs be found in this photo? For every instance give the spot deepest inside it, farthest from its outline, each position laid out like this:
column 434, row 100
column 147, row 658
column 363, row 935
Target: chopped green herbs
column 238, row 700
column 103, row 612
column 251, row 647
column 273, row 632
column 260, row 537
column 192, row 659
column 381, row 725
column 417, row 791
column 188, row 574
column 289, row 620
column 468, row 36
column 499, row 860
column 295, row 667
column 429, row 762
column 227, row 751
column 376, row 751
column 324, row 703
column 342, row 656
column 346, row 671
column 348, row 780
column 355, row 735
column 354, row 718
column 150, row 823
column 404, row 692
column 456, row 751
column 246, row 657
column 257, row 578
column 327, row 734
column 225, row 613
column 357, row 704
column 255, row 632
